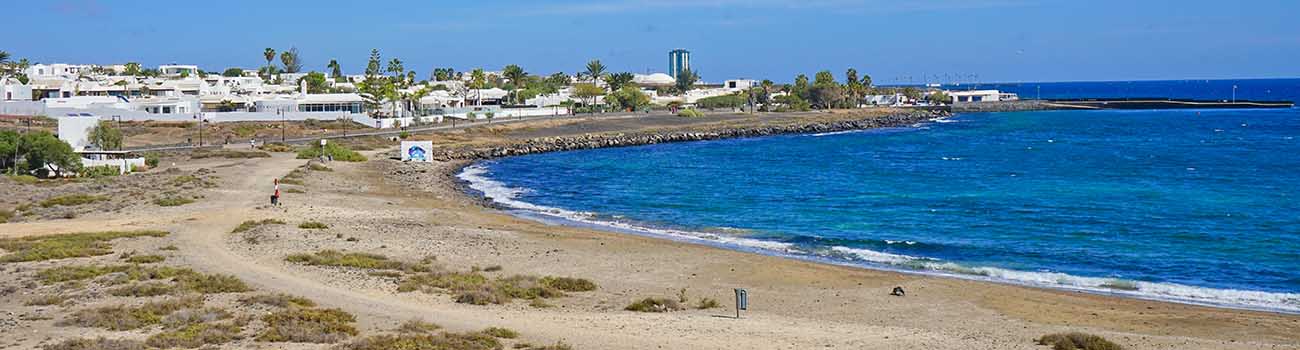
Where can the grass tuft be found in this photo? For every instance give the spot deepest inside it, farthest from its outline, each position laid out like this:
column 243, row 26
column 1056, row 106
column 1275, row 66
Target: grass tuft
column 503, row 333
column 654, row 305
column 121, row 318
column 278, row 300
column 74, row 245
column 100, row 343
column 417, row 326
column 150, row 289
column 356, row 260
column 72, row 200
column 1077, row 341
column 186, row 279
column 173, row 201
column 48, row 300
column 569, row 284
column 252, row 224
column 476, row 289
column 313, row 225
column 145, row 259
column 299, row 325
column 466, row 341
column 195, row 335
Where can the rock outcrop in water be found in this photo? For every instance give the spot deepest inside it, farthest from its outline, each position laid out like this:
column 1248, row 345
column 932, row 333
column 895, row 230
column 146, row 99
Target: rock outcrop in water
column 590, row 141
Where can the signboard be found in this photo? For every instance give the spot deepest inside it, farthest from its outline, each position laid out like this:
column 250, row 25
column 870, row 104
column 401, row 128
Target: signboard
column 742, row 301
column 417, row 151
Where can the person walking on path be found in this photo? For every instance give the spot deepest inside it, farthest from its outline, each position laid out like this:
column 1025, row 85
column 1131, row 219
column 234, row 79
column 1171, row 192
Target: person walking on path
column 275, row 198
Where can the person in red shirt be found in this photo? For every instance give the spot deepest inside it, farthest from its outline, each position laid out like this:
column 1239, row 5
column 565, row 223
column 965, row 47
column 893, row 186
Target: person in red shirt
column 275, row 198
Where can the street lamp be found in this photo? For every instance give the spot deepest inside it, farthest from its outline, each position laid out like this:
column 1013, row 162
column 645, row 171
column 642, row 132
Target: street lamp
column 1234, row 93
column 283, row 123
column 118, row 120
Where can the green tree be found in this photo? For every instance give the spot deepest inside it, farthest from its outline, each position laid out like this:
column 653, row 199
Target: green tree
column 686, row 79
column 373, row 65
column 866, row 83
column 824, row 78
column 4, row 57
column 292, row 60
column 336, row 71
column 628, row 98
column 595, row 70
column 269, row 55
column 616, row 81
column 827, row 96
column 397, row 70
column 853, row 86
column 800, row 87
column 443, row 74
column 587, row 92
column 316, row 83
column 43, row 150
column 517, row 77
column 939, row 97
column 232, row 73
column 8, row 149
column 105, row 136
column 912, row 93
column 132, row 69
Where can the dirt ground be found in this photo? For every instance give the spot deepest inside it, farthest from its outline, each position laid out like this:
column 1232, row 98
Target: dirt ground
column 417, row 214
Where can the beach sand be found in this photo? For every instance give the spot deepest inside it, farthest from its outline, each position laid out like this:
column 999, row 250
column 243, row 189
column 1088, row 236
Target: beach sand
column 409, row 212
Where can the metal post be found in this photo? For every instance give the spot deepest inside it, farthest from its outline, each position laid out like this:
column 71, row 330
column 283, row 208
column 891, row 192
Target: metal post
column 1234, row 93
column 118, row 119
column 283, row 124
column 742, row 301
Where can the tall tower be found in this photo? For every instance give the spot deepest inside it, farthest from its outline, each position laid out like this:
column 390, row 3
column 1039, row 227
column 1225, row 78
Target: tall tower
column 678, row 61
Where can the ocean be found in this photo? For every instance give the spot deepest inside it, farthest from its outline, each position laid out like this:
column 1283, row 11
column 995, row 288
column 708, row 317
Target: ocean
column 1194, row 206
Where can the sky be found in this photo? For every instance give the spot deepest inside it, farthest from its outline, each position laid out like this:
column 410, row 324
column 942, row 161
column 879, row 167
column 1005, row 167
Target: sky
column 899, row 41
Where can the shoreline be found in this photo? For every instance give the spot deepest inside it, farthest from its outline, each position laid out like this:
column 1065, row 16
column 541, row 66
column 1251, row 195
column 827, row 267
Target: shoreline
column 472, row 190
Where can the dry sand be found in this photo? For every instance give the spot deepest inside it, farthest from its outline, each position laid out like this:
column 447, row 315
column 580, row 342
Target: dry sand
column 414, row 211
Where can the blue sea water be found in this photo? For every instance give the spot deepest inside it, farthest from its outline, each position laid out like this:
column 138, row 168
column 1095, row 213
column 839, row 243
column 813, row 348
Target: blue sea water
column 1196, row 206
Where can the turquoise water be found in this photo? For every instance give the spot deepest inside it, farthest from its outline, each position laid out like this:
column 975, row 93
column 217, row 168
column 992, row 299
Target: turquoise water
column 1191, row 206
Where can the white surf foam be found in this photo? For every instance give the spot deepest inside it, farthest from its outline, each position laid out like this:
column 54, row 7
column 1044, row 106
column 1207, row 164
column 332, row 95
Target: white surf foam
column 477, row 178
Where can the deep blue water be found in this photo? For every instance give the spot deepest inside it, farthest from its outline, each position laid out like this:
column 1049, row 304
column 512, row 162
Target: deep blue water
column 1194, row 206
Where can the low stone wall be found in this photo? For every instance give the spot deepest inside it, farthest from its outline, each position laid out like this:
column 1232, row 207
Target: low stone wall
column 590, row 141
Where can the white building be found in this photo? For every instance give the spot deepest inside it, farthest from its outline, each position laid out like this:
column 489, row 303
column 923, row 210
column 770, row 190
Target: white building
column 740, row 84
column 178, row 70
column 980, row 96
column 14, row 90
column 656, row 79
column 57, row 70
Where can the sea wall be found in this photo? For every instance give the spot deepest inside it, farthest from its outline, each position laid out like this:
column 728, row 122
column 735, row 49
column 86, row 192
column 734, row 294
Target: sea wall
column 1000, row 106
column 590, row 141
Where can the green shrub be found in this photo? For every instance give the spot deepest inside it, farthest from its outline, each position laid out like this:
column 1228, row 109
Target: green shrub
column 173, row 201
column 47, row 300
column 467, row 341
column 252, row 224
column 100, row 171
column 404, row 135
column 477, row 289
column 151, row 159
column 278, row 300
column 300, row 325
column 276, row 147
column 5, row 215
column 229, row 154
column 145, row 259
column 318, row 167
column 24, row 179
column 148, row 289
column 195, row 335
column 100, row 343
column 356, row 260
column 654, row 305
column 1077, row 341
column 339, row 152
column 569, row 284
column 121, row 318
column 502, row 333
column 212, row 284
column 690, row 113
column 72, row 200
column 313, row 225
column 417, row 326
column 74, row 245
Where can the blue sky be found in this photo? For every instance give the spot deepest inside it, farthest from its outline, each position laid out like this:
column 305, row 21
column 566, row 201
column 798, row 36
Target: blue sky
column 894, row 41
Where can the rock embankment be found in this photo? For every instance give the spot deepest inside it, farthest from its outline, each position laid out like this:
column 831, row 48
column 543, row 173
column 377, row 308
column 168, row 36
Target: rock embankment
column 590, row 141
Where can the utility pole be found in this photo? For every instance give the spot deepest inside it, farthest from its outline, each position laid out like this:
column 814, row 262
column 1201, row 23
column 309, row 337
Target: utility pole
column 1234, row 93
column 283, row 124
column 118, row 120
column 17, row 141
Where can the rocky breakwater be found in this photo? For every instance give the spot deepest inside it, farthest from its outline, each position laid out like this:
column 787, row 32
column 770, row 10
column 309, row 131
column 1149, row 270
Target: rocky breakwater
column 590, row 141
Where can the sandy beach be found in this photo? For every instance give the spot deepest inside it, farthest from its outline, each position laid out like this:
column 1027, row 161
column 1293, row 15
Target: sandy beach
column 419, row 211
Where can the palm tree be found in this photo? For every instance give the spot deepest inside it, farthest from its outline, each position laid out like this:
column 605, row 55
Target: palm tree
column 292, row 62
column 395, row 67
column 269, row 54
column 478, row 80
column 595, row 70
column 335, row 70
column 516, row 76
column 4, row 57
